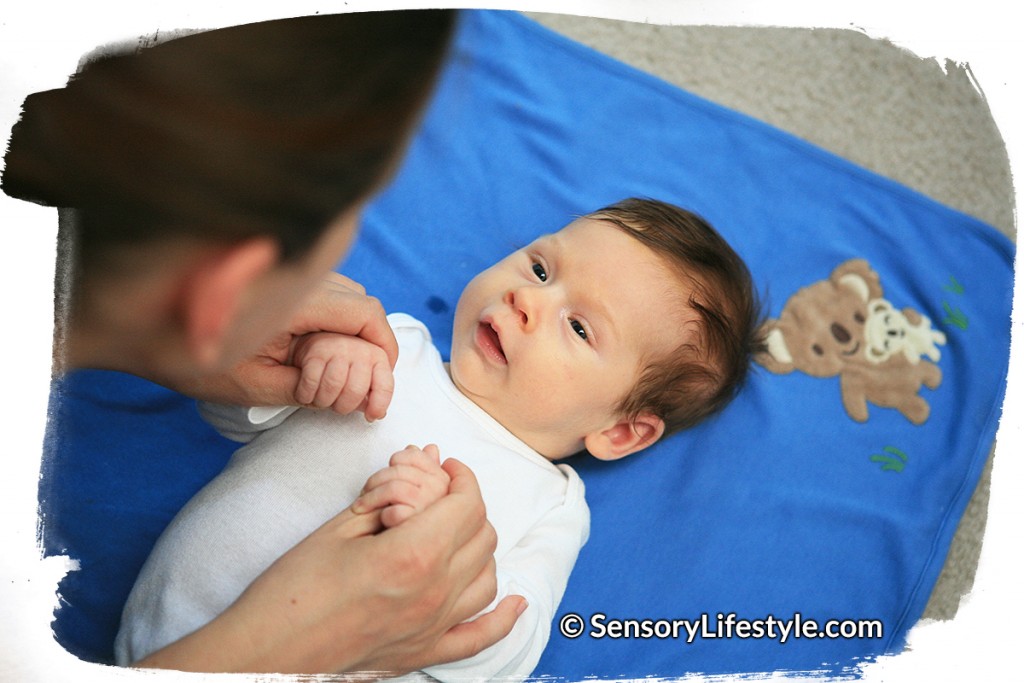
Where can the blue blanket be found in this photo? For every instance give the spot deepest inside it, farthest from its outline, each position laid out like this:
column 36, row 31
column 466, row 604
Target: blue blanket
column 828, row 490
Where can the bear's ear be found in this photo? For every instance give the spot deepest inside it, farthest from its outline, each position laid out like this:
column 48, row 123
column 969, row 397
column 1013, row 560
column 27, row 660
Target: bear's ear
column 858, row 275
column 773, row 353
column 858, row 285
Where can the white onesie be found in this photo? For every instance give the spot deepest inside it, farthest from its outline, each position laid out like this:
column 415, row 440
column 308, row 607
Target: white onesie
column 302, row 467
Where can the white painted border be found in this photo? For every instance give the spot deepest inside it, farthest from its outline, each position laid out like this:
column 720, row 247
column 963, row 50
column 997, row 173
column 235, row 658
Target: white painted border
column 40, row 44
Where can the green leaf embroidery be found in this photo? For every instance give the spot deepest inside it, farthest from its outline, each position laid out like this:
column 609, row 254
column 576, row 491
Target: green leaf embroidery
column 954, row 286
column 890, row 463
column 954, row 316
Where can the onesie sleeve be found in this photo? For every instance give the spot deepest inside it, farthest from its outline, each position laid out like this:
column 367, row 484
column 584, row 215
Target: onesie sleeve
column 242, row 423
column 537, row 568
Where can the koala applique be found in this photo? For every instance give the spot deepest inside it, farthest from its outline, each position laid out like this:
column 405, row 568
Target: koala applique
column 842, row 326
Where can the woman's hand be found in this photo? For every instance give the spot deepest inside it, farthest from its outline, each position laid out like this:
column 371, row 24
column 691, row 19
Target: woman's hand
column 345, row 599
column 338, row 305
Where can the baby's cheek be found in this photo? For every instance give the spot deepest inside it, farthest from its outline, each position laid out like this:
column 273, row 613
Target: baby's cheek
column 561, row 388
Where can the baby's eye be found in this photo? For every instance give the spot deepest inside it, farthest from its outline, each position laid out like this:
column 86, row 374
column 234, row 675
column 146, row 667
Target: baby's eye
column 578, row 329
column 539, row 271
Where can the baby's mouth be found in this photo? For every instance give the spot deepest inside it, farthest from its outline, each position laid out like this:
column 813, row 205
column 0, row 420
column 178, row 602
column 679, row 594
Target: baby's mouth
column 490, row 343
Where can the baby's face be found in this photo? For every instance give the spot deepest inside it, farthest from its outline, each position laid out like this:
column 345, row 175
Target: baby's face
column 549, row 340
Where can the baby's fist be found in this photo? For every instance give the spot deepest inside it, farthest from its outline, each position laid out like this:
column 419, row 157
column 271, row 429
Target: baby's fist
column 413, row 481
column 343, row 373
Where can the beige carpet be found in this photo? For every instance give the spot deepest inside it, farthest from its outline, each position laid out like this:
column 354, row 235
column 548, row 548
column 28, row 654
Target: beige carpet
column 917, row 122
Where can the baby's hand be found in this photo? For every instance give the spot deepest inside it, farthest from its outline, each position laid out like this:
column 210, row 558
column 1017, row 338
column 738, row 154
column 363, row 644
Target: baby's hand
column 343, row 373
column 413, row 481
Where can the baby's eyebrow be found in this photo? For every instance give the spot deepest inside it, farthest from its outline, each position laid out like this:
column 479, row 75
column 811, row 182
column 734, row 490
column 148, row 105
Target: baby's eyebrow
column 564, row 263
column 545, row 240
column 608, row 321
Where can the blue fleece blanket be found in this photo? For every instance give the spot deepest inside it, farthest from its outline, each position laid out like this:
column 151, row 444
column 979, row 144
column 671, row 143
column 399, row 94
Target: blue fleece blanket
column 829, row 490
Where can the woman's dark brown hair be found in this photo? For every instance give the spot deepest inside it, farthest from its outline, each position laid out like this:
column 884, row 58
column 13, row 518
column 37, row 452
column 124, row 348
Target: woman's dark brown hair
column 271, row 128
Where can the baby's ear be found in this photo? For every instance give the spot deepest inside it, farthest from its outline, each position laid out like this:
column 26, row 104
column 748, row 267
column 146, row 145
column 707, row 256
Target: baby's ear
column 625, row 437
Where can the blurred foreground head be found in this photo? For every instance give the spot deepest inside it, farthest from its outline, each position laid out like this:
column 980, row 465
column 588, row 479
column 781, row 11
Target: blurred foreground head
column 267, row 129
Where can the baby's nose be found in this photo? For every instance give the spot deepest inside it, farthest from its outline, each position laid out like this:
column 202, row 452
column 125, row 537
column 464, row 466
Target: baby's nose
column 522, row 303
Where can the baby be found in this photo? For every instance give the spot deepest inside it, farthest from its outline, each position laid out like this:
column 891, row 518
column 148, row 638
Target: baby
column 627, row 324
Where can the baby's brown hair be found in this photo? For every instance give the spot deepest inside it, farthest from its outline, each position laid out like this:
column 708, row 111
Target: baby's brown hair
column 705, row 371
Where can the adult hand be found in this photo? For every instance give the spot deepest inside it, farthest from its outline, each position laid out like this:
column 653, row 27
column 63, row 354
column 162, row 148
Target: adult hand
column 344, row 599
column 443, row 607
column 338, row 305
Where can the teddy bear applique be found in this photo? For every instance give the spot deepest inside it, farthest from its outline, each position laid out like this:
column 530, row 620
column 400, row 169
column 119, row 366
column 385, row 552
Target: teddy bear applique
column 843, row 326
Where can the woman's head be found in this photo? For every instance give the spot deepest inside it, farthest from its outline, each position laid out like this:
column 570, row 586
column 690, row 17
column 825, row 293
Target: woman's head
column 216, row 176
column 267, row 129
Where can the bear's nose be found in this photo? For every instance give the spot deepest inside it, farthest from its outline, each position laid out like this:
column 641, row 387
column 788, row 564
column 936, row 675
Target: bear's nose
column 841, row 334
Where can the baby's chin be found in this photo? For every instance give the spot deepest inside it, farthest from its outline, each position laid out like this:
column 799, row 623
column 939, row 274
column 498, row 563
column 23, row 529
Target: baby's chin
column 458, row 357
column 498, row 412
